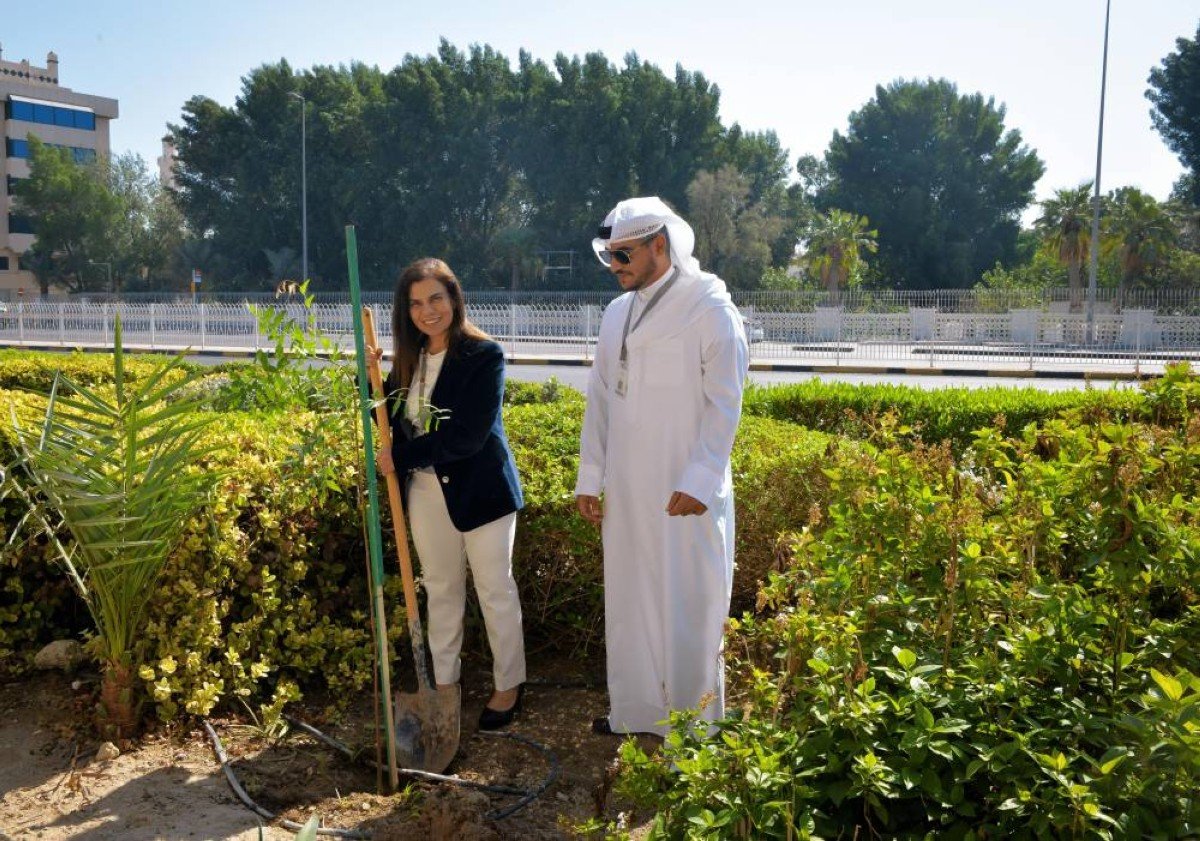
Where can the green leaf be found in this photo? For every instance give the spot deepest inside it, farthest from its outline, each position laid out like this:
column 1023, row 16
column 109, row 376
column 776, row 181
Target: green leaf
column 904, row 657
column 1170, row 687
column 924, row 717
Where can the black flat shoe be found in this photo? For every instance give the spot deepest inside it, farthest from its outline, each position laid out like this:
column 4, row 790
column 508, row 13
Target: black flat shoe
column 601, row 727
column 491, row 719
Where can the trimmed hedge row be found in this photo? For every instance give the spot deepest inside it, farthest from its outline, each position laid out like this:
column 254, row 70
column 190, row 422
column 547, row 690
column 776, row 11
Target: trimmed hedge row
column 934, row 415
column 35, row 370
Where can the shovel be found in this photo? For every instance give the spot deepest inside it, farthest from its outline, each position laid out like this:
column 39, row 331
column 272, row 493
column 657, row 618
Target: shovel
column 427, row 722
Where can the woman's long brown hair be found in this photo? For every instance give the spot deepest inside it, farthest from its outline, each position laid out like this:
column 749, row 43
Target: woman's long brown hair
column 408, row 339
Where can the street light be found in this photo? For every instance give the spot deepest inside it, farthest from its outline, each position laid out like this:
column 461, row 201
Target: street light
column 108, row 267
column 1093, row 266
column 303, row 184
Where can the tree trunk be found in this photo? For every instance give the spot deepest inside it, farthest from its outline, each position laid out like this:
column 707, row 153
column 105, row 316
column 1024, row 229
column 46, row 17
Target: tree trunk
column 1076, row 288
column 835, row 281
column 117, row 712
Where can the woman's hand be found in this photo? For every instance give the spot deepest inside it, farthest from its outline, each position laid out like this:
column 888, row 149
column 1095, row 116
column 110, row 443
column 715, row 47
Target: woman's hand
column 383, row 461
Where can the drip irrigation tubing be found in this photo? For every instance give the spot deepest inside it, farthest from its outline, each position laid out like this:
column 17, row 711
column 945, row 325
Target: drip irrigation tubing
column 526, row 796
column 267, row 814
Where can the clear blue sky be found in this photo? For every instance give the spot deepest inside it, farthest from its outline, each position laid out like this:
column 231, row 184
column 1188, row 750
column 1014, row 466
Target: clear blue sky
column 796, row 67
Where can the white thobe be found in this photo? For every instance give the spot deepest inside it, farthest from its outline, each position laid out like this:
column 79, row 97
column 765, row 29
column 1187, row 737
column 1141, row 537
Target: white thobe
column 667, row 580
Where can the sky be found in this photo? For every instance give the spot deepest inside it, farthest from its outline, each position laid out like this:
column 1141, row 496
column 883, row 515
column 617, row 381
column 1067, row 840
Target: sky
column 799, row 68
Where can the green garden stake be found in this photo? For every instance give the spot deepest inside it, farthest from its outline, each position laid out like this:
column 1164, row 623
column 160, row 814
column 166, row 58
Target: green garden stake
column 374, row 535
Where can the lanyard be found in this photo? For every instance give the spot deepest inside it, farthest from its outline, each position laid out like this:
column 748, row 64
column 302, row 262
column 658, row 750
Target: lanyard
column 422, row 411
column 649, row 306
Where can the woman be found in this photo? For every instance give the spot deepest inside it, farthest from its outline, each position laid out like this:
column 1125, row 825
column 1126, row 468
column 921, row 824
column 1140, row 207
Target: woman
column 463, row 492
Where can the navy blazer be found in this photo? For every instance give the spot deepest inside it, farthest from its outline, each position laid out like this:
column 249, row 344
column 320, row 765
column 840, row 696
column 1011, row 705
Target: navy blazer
column 467, row 448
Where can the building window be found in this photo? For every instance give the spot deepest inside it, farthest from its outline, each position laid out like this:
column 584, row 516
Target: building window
column 18, row 224
column 20, row 149
column 3, row 263
column 50, row 115
column 12, row 185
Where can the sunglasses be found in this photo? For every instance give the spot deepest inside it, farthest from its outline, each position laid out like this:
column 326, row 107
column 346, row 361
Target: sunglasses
column 624, row 255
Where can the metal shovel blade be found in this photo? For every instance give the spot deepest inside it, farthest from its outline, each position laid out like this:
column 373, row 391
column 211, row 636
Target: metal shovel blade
column 427, row 728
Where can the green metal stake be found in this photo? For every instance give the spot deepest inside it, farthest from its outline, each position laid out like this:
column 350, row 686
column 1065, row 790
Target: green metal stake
column 374, row 534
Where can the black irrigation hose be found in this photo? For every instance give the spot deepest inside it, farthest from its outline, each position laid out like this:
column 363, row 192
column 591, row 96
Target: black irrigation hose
column 527, row 796
column 259, row 810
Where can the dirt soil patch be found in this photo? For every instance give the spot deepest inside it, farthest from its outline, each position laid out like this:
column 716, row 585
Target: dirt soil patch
column 169, row 785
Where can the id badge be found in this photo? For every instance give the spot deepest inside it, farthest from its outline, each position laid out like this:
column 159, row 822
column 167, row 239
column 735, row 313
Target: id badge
column 622, row 376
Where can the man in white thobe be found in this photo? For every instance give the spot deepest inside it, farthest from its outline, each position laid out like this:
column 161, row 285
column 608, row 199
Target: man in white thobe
column 663, row 404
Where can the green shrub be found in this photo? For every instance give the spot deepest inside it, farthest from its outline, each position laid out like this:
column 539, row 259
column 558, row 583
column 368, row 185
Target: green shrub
column 34, row 370
column 943, row 414
column 1005, row 646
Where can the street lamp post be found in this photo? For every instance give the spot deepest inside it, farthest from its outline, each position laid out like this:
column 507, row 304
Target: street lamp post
column 303, row 185
column 1094, row 264
column 108, row 268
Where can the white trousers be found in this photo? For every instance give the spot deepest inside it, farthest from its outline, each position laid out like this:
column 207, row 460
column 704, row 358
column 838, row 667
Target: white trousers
column 444, row 552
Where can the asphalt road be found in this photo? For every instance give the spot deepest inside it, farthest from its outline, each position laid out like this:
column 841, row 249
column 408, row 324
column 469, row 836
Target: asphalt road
column 576, row 377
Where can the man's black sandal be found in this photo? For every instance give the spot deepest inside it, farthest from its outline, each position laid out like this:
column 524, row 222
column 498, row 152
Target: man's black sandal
column 601, row 727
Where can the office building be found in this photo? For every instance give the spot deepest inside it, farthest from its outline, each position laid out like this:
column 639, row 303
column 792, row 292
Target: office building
column 36, row 104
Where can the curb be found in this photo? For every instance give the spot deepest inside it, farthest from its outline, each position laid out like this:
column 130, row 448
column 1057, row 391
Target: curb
column 760, row 367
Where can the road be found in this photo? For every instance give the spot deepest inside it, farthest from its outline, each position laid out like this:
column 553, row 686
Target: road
column 576, row 377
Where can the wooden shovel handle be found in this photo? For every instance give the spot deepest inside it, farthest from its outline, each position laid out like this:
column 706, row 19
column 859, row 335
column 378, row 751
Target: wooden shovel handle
column 393, row 483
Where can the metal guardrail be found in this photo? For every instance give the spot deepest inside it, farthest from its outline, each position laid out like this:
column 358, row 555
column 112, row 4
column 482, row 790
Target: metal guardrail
column 1180, row 301
column 921, row 337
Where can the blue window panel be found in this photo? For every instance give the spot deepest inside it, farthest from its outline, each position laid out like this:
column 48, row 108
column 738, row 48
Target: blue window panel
column 85, row 120
column 20, row 111
column 64, row 117
column 18, row 224
column 83, row 156
column 43, row 114
column 18, row 148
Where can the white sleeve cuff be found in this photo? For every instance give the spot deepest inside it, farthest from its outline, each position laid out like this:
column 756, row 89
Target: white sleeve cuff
column 590, row 480
column 700, row 483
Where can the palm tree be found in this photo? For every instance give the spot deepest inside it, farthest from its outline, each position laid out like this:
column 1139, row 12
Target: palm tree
column 117, row 470
column 1065, row 227
column 836, row 241
column 1140, row 231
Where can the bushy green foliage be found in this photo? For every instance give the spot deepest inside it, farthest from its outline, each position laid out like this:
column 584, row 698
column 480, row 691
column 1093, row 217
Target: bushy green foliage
column 1005, row 645
column 34, row 371
column 933, row 415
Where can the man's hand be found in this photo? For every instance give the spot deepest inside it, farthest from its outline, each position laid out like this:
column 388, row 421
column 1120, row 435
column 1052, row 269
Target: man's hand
column 591, row 508
column 680, row 505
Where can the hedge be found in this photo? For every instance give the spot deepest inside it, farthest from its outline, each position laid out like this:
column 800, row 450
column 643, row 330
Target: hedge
column 933, row 415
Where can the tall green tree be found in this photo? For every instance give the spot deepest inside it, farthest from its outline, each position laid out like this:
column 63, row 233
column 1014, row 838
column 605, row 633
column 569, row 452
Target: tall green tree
column 733, row 233
column 835, row 244
column 1175, row 92
column 939, row 176
column 74, row 214
column 1065, row 229
column 458, row 154
column 240, row 170
column 1140, row 233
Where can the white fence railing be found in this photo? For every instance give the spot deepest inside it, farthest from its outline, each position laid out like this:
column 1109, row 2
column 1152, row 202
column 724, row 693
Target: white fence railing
column 920, row 337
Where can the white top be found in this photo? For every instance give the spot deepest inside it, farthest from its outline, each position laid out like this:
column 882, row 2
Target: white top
column 667, row 580
column 417, row 406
